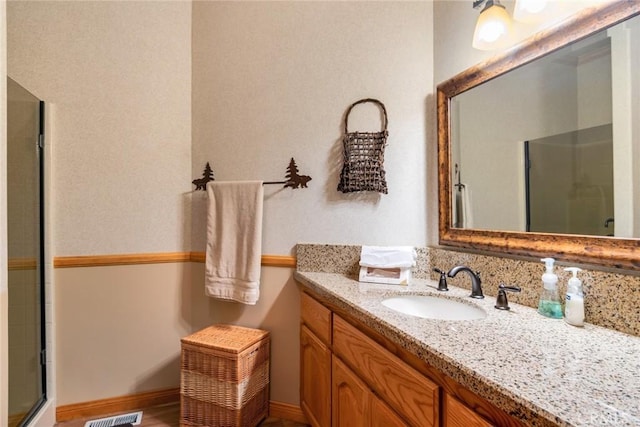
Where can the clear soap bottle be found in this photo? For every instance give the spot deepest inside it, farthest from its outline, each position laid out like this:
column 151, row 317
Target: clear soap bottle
column 574, row 304
column 550, row 304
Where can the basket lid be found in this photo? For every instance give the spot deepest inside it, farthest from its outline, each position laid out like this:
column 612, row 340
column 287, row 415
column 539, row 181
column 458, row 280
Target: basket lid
column 230, row 338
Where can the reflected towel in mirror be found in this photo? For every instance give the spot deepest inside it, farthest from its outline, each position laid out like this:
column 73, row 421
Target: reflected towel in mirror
column 462, row 206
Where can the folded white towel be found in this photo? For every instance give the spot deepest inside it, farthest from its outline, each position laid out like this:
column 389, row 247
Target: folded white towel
column 388, row 256
column 234, row 240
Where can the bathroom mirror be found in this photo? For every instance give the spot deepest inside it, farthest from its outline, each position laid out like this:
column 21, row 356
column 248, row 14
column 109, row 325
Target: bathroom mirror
column 559, row 110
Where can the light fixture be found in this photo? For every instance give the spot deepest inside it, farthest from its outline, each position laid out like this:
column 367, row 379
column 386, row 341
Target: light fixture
column 529, row 11
column 493, row 26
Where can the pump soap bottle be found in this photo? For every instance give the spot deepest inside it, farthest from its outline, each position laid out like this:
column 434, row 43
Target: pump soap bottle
column 574, row 307
column 550, row 305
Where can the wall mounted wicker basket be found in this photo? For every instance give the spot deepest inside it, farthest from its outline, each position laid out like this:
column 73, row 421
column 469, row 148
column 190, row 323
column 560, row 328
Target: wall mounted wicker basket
column 363, row 155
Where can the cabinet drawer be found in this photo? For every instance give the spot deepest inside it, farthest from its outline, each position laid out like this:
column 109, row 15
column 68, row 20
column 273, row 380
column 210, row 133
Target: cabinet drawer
column 404, row 389
column 317, row 317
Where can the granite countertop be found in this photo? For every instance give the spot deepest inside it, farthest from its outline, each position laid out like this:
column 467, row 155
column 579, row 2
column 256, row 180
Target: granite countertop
column 541, row 371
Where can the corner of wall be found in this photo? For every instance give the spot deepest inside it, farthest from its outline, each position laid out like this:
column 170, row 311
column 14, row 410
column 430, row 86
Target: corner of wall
column 4, row 339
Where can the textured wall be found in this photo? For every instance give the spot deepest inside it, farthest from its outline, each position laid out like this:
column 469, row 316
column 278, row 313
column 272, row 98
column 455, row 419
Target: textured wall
column 272, row 81
column 119, row 75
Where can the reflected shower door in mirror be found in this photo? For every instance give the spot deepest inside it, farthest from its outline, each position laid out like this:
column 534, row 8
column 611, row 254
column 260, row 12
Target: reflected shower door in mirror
column 569, row 182
column 577, row 108
column 25, row 254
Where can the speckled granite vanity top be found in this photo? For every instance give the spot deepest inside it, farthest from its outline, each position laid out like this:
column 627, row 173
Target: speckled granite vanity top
column 539, row 370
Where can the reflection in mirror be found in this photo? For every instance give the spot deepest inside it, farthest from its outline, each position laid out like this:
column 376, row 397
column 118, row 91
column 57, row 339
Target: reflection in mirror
column 569, row 182
column 549, row 126
column 539, row 149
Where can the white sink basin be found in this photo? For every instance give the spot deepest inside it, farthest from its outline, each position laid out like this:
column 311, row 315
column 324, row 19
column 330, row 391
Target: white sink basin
column 430, row 307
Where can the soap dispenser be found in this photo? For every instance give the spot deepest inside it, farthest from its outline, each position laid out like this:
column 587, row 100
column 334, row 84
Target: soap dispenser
column 574, row 304
column 550, row 305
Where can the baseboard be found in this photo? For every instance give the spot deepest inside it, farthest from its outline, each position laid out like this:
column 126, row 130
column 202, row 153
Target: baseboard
column 148, row 399
column 287, row 411
column 117, row 404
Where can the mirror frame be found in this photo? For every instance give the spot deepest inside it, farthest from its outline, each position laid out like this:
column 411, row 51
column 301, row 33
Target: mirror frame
column 603, row 251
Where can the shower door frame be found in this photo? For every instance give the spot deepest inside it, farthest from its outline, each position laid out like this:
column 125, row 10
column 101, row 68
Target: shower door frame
column 43, row 396
column 39, row 404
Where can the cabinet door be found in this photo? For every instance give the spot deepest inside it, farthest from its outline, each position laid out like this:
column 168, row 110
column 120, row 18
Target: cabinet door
column 458, row 415
column 315, row 379
column 404, row 389
column 383, row 416
column 350, row 397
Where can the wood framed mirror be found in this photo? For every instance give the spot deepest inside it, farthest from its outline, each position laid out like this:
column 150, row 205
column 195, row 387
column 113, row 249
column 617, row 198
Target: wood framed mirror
column 617, row 251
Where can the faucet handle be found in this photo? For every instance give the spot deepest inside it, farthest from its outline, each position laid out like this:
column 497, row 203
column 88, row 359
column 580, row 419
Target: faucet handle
column 501, row 302
column 442, row 283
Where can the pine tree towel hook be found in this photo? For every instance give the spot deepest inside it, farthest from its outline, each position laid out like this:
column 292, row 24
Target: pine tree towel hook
column 293, row 179
column 207, row 175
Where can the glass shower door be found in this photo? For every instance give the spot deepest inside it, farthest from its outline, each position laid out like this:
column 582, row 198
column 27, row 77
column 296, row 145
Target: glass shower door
column 26, row 253
column 569, row 182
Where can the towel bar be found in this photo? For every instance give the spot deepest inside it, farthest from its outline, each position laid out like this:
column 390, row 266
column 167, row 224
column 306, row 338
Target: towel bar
column 293, row 179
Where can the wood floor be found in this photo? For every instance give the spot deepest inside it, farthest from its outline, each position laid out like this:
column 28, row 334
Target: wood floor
column 169, row 416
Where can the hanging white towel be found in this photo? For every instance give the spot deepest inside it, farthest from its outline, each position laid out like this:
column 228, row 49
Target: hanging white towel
column 234, row 240
column 463, row 216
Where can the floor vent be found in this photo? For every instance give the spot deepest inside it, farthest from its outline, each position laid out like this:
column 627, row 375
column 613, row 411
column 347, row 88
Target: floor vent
column 134, row 418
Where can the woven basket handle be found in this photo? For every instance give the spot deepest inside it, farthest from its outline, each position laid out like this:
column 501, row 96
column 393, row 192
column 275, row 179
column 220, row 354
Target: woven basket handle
column 362, row 101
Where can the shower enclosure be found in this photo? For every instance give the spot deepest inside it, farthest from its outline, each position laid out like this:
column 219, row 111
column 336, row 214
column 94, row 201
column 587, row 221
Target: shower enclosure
column 569, row 182
column 25, row 123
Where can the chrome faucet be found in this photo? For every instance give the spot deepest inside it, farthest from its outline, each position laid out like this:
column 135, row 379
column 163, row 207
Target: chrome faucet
column 476, row 283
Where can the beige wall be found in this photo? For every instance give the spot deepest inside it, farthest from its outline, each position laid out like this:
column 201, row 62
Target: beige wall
column 119, row 329
column 272, row 80
column 119, row 75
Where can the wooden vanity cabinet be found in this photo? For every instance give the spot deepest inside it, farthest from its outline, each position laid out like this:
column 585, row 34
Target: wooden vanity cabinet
column 348, row 379
column 405, row 390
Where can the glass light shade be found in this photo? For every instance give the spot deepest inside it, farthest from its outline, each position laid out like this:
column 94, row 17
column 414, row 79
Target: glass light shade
column 529, row 11
column 493, row 27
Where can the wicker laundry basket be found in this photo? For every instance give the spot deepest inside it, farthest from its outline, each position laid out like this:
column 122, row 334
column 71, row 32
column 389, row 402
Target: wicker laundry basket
column 224, row 377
